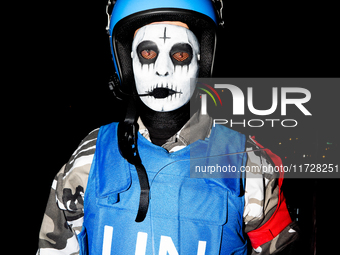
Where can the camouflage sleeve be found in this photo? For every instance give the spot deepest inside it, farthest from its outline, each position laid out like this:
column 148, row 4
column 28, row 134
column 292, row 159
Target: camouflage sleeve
column 63, row 218
column 262, row 199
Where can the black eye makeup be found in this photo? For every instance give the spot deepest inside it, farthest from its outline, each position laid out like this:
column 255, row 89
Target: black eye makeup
column 181, row 54
column 147, row 52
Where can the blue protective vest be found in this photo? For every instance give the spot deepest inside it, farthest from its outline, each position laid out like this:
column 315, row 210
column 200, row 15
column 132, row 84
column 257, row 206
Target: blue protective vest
column 186, row 216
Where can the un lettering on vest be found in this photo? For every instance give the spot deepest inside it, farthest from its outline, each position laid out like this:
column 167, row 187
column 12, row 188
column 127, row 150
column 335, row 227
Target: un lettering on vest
column 166, row 246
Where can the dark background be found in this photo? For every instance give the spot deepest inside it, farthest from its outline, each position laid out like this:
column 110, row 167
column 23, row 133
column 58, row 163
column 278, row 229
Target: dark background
column 65, row 62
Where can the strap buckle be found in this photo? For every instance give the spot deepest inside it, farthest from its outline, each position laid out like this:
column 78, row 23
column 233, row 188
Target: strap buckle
column 109, row 7
column 219, row 9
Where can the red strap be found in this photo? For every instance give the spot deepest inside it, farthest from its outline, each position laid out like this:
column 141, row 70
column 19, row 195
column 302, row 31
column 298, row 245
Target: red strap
column 280, row 219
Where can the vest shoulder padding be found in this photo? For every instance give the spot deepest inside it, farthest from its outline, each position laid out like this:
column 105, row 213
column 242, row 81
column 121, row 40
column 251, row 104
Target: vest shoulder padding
column 109, row 165
column 226, row 148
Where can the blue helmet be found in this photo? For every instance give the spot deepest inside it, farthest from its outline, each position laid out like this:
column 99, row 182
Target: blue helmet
column 202, row 17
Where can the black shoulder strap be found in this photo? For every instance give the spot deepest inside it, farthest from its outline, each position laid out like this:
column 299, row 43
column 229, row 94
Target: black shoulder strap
column 127, row 143
column 144, row 193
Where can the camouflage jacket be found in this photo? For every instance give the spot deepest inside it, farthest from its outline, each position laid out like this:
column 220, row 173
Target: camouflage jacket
column 63, row 217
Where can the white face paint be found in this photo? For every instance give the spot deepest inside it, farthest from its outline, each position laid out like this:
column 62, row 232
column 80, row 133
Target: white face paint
column 164, row 59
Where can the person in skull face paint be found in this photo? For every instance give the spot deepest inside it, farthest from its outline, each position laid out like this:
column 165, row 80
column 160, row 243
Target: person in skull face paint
column 96, row 196
column 165, row 57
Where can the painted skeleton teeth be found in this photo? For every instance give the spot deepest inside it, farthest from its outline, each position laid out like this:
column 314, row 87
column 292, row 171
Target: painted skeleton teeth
column 163, row 85
column 162, row 90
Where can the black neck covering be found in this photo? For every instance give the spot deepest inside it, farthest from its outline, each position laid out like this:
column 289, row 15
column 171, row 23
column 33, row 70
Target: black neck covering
column 163, row 125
